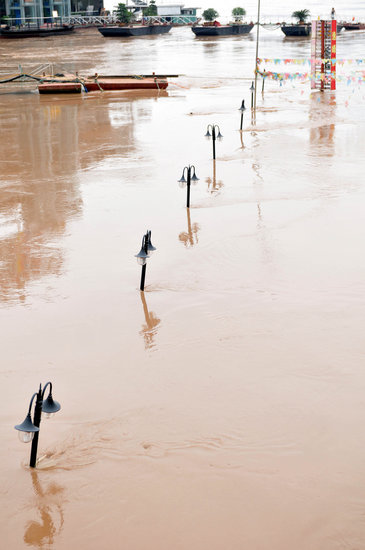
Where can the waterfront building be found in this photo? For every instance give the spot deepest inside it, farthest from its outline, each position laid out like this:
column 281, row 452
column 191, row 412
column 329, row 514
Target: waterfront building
column 2, row 8
column 175, row 12
column 87, row 7
column 37, row 10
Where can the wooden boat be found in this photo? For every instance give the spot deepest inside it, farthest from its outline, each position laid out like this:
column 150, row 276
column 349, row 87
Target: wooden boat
column 302, row 29
column 134, row 30
column 98, row 83
column 222, row 30
column 297, row 30
column 35, row 32
column 353, row 26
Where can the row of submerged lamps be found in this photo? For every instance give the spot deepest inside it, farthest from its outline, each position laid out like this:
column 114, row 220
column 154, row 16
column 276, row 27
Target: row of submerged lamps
column 29, row 429
column 213, row 131
column 188, row 176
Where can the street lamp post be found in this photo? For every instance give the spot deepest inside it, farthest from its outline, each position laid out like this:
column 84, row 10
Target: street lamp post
column 214, row 128
column 242, row 109
column 147, row 249
column 252, row 90
column 29, row 430
column 190, row 176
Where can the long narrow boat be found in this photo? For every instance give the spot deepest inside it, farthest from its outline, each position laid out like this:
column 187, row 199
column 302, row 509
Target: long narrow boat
column 222, row 30
column 35, row 32
column 97, row 83
column 134, row 30
column 302, row 29
column 353, row 26
column 297, row 30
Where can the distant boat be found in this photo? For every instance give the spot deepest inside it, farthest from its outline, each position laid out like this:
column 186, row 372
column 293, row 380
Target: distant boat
column 222, row 30
column 297, row 30
column 134, row 30
column 353, row 26
column 302, row 29
column 35, row 32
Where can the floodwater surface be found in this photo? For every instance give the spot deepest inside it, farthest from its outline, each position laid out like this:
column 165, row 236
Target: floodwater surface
column 224, row 406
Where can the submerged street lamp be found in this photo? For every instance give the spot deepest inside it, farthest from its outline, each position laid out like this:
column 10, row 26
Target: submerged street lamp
column 242, row 109
column 190, row 176
column 29, row 430
column 147, row 249
column 252, row 90
column 214, row 128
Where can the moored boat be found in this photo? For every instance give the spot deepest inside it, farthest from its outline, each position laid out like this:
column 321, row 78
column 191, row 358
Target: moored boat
column 76, row 84
column 222, row 30
column 297, row 30
column 134, row 30
column 353, row 26
column 301, row 29
column 35, row 32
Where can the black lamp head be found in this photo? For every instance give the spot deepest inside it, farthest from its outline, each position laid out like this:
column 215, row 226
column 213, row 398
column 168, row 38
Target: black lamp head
column 49, row 406
column 182, row 179
column 194, row 178
column 219, row 136
column 150, row 247
column 26, row 429
column 27, row 425
column 142, row 254
column 208, row 134
column 242, row 108
column 252, row 87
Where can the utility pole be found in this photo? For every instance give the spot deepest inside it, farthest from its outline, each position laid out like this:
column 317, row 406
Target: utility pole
column 257, row 49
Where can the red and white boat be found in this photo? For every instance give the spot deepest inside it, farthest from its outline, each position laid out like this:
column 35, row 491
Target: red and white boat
column 74, row 84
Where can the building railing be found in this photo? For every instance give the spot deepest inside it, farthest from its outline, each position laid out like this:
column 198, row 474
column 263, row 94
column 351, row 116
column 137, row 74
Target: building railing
column 34, row 22
column 96, row 20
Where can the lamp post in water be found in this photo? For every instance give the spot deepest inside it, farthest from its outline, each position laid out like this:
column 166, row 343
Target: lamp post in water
column 257, row 47
column 29, row 430
column 252, row 90
column 147, row 249
column 190, row 176
column 212, row 130
column 242, row 109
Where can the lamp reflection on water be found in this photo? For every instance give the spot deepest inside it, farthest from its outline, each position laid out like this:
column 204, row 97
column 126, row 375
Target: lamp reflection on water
column 149, row 330
column 214, row 186
column 190, row 237
column 42, row 534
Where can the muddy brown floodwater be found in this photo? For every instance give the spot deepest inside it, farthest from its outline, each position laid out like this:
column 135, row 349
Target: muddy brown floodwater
column 224, row 407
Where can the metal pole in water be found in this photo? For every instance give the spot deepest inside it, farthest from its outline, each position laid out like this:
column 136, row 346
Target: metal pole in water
column 257, row 47
column 213, row 139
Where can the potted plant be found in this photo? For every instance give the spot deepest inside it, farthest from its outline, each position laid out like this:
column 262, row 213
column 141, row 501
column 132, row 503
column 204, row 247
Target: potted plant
column 301, row 16
column 210, row 15
column 238, row 14
column 151, row 10
column 123, row 14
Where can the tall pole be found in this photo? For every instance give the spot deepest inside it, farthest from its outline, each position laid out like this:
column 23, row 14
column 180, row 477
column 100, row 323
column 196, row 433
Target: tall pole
column 257, row 47
column 213, row 139
column 36, row 422
column 143, row 276
column 188, row 187
column 143, row 272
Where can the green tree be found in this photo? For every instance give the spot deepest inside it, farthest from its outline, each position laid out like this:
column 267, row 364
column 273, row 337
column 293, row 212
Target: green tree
column 151, row 10
column 238, row 13
column 123, row 14
column 301, row 15
column 210, row 14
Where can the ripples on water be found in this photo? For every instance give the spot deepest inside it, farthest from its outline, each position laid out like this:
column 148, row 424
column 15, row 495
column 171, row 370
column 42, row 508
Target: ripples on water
column 239, row 371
